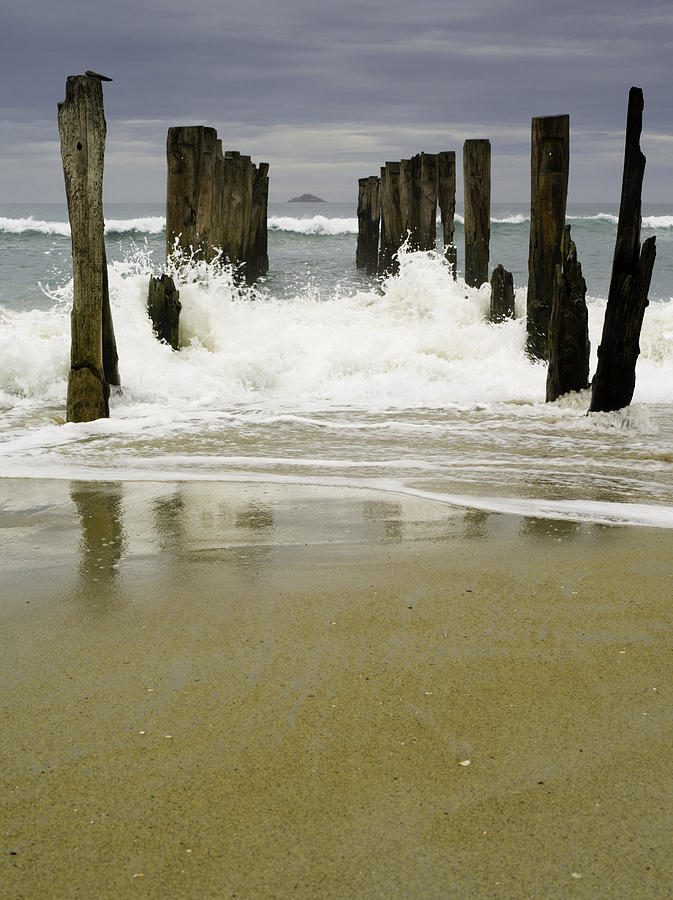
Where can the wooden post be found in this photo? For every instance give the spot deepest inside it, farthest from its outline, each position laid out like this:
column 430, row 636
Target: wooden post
column 190, row 152
column 409, row 187
column 615, row 379
column 366, row 254
column 216, row 201
column 427, row 202
column 502, row 295
column 258, row 256
column 110, row 356
column 391, row 220
column 163, row 307
column 569, row 345
column 81, row 125
column 477, row 193
column 550, row 155
column 446, row 198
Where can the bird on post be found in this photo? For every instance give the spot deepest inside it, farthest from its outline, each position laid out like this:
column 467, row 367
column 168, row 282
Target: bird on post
column 97, row 75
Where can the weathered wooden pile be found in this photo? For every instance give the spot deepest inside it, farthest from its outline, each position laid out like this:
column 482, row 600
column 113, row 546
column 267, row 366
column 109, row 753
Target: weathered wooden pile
column 557, row 320
column 217, row 209
column 549, row 164
column 93, row 350
column 400, row 206
column 615, row 379
column 216, row 203
column 477, row 202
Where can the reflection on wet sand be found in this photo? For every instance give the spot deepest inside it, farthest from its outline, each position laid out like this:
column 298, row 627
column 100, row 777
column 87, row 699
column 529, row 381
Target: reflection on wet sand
column 167, row 519
column 544, row 528
column 102, row 541
column 389, row 514
column 475, row 522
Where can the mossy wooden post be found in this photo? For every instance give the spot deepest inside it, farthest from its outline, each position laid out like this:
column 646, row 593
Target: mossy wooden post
column 446, row 198
column 81, row 125
column 569, row 345
column 477, row 194
column 427, row 202
column 163, row 307
column 549, row 162
column 367, row 251
column 502, row 295
column 615, row 379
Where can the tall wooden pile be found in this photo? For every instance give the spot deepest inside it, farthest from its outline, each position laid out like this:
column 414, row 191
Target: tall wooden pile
column 369, row 215
column 446, row 199
column 409, row 192
column 550, row 155
column 477, row 196
column 391, row 218
column 569, row 345
column 93, row 353
column 615, row 379
column 216, row 201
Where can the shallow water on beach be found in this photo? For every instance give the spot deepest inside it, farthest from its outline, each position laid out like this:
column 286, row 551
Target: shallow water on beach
column 321, row 375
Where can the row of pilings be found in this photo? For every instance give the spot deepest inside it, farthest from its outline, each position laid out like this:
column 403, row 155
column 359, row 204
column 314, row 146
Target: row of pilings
column 217, row 210
column 399, row 208
column 216, row 202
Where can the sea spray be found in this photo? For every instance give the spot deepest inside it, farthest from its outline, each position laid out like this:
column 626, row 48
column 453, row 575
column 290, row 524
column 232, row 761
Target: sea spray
column 399, row 384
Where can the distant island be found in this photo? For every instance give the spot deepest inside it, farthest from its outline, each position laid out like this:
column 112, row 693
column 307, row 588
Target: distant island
column 307, row 198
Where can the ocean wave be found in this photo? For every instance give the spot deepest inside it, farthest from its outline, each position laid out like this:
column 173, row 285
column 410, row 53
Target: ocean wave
column 28, row 225
column 657, row 222
column 516, row 219
column 313, row 225
column 653, row 222
column 596, row 217
column 37, row 226
column 416, row 339
column 144, row 225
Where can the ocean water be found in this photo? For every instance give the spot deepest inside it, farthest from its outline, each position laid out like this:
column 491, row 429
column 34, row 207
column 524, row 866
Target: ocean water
column 322, row 375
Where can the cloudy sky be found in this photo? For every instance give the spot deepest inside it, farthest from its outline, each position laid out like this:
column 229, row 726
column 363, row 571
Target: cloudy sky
column 327, row 91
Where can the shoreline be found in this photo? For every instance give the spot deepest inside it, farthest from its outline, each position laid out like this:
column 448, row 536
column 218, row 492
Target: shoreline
column 240, row 689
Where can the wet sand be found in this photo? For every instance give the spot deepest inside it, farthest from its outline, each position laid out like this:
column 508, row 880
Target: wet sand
column 262, row 691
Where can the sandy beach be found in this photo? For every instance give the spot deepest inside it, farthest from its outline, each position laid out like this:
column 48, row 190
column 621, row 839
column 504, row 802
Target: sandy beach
column 254, row 690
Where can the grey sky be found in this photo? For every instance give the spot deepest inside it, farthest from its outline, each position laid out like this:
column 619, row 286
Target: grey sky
column 327, row 92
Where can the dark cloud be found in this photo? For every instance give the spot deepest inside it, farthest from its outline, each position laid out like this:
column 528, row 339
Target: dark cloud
column 426, row 72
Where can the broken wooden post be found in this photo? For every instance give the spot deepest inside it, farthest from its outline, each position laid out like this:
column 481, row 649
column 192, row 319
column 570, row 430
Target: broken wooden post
column 569, row 345
column 391, row 219
column 369, row 214
column 163, row 307
column 81, row 125
column 477, row 196
column 615, row 379
column 446, row 198
column 549, row 162
column 502, row 295
column 216, row 202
